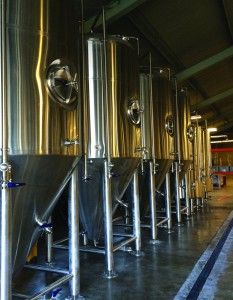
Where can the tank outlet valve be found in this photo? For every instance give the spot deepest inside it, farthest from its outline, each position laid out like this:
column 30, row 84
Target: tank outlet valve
column 54, row 293
column 11, row 184
column 45, row 226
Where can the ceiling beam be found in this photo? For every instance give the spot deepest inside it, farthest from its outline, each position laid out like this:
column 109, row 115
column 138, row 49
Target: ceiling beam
column 213, row 99
column 205, row 64
column 225, row 114
column 153, row 37
column 121, row 8
column 226, row 126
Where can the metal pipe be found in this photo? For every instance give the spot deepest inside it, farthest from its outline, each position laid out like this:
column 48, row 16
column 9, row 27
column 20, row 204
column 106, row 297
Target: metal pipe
column 6, row 203
column 136, row 215
column 18, row 295
column 107, row 135
column 49, row 243
column 123, row 235
column 84, row 105
column 131, row 225
column 60, row 241
column 162, row 222
column 177, row 189
column 6, row 243
column 154, row 230
column 61, row 247
column 168, row 202
column 124, row 243
column 187, row 194
column 152, row 113
column 73, row 219
column 92, row 250
column 183, row 209
column 118, row 219
column 192, row 205
column 52, row 286
column 126, row 215
column 178, row 150
column 107, row 192
column 46, row 269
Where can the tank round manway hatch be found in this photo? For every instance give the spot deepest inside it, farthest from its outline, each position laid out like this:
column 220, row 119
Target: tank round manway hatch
column 62, row 84
column 169, row 125
column 190, row 132
column 134, row 112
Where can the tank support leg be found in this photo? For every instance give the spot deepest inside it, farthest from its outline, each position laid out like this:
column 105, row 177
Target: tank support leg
column 136, row 216
column 192, row 205
column 154, row 229
column 177, row 188
column 187, row 200
column 6, row 243
column 168, row 203
column 73, row 219
column 49, row 242
column 107, row 195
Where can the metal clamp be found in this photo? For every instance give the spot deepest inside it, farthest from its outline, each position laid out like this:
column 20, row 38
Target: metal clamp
column 69, row 142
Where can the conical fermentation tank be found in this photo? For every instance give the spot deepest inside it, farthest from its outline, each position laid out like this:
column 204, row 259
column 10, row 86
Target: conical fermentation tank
column 156, row 97
column 112, row 125
column 157, row 122
column 207, row 160
column 198, row 158
column 186, row 132
column 43, row 112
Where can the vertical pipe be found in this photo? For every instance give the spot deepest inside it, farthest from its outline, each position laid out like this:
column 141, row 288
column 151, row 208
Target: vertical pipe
column 126, row 216
column 6, row 244
column 49, row 242
column 168, row 203
column 192, row 205
column 187, row 194
column 177, row 163
column 107, row 133
column 84, row 106
column 152, row 131
column 107, row 198
column 136, row 215
column 73, row 219
column 178, row 150
column 154, row 230
column 177, row 190
column 6, row 205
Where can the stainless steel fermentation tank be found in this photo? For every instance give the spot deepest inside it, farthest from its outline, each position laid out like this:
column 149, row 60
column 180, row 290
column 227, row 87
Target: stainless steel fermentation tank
column 202, row 162
column 184, row 143
column 111, row 132
column 207, row 161
column 41, row 128
column 156, row 101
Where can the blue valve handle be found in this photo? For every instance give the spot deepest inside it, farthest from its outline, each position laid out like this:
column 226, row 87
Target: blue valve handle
column 55, row 292
column 46, row 225
column 15, row 184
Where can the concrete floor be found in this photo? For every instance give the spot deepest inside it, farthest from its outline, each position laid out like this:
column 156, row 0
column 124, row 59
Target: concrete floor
column 163, row 269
